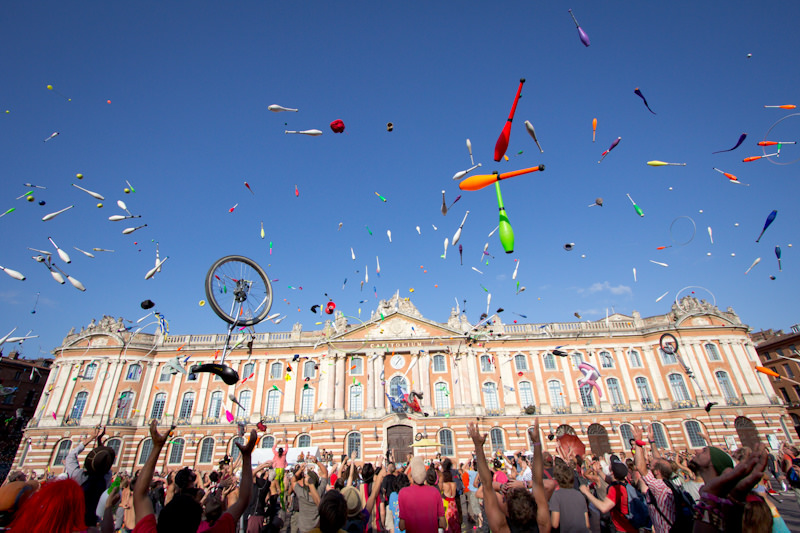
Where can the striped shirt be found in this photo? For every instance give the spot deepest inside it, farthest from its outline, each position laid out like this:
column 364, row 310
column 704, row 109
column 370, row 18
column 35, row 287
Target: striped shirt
column 663, row 497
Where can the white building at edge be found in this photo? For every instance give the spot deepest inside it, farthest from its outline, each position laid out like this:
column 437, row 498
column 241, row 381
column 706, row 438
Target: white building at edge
column 327, row 388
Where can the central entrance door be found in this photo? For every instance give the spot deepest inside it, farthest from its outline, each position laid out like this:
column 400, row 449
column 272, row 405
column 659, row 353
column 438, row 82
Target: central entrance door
column 399, row 439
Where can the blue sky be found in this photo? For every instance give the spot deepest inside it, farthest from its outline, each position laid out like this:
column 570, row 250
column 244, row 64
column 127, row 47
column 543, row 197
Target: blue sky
column 189, row 85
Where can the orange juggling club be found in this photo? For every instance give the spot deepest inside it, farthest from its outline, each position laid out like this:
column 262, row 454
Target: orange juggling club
column 476, row 183
column 768, row 371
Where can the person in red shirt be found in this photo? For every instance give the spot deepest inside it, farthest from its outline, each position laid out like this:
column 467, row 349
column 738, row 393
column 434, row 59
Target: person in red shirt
column 183, row 513
column 616, row 500
column 421, row 507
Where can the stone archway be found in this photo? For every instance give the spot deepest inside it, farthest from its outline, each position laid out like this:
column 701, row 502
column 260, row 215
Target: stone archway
column 746, row 429
column 399, row 440
column 598, row 439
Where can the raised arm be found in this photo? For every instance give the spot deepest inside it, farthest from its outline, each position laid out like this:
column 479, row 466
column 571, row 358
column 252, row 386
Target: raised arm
column 497, row 521
column 246, row 484
column 537, row 470
column 376, row 488
column 639, row 460
column 142, row 506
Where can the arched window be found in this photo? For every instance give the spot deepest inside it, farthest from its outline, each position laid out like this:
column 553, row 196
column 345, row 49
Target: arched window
column 446, row 440
column 549, row 361
column 273, row 403
column 490, row 396
column 486, row 364
column 577, row 359
column 79, row 405
column 275, row 371
column 678, row 387
column 115, row 444
column 712, row 352
column 521, row 363
column 659, row 436
column 747, row 431
column 134, row 372
column 615, row 391
column 215, row 404
column 206, row 450
column 186, row 406
column 61, row 452
column 356, row 399
column 244, row 403
column 556, row 396
column 304, row 441
column 357, row 366
column 124, row 404
column 439, row 364
column 587, row 400
column 598, row 439
column 725, row 385
column 90, row 371
column 354, row 444
column 235, row 452
column 606, row 361
column 176, row 452
column 159, row 402
column 565, row 429
column 309, row 370
column 307, row 402
column 644, row 391
column 165, row 375
column 498, row 441
column 144, row 452
column 633, row 357
column 397, row 386
column 667, row 358
column 626, row 432
column 247, row 370
column 525, row 393
column 268, row 441
column 695, row 433
column 441, row 396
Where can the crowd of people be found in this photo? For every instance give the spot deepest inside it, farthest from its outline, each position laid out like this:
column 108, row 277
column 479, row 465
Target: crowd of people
column 640, row 489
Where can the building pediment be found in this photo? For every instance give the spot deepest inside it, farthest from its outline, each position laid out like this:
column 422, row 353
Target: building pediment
column 396, row 325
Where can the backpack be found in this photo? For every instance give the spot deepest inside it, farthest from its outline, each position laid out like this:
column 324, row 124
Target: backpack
column 791, row 475
column 636, row 505
column 684, row 509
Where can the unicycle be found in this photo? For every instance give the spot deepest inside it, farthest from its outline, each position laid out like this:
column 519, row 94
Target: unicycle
column 239, row 292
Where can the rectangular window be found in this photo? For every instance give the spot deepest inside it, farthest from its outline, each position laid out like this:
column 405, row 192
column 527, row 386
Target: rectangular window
column 785, row 395
column 788, row 369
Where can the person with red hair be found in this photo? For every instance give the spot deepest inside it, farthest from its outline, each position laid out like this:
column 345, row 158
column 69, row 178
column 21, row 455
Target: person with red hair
column 58, row 507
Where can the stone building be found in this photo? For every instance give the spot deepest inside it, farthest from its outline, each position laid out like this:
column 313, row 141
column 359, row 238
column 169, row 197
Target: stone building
column 21, row 384
column 778, row 352
column 330, row 388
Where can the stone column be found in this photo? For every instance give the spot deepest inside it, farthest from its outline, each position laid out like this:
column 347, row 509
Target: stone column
column 380, row 396
column 64, row 400
column 202, row 397
column 368, row 382
column 143, row 400
column 341, row 385
column 657, row 379
column 627, row 373
column 507, row 378
column 260, row 384
column 109, row 384
column 424, row 361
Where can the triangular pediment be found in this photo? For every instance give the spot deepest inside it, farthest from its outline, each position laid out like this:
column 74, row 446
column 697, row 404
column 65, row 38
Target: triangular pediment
column 396, row 325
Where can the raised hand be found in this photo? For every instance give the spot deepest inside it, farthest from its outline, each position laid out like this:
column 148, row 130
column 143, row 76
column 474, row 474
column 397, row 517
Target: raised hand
column 159, row 439
column 475, row 435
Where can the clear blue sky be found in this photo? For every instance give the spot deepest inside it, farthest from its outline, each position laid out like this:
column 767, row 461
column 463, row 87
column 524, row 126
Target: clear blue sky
column 189, row 85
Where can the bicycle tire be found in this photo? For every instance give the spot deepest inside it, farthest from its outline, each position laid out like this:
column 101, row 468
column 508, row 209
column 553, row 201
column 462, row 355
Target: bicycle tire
column 235, row 268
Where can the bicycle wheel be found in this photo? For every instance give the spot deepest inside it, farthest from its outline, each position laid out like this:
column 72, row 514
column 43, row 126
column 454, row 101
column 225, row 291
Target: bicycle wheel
column 238, row 290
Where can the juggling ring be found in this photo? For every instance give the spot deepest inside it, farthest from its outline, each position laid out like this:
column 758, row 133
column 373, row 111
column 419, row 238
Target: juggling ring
column 678, row 294
column 764, row 148
column 669, row 343
column 330, row 334
column 694, row 231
